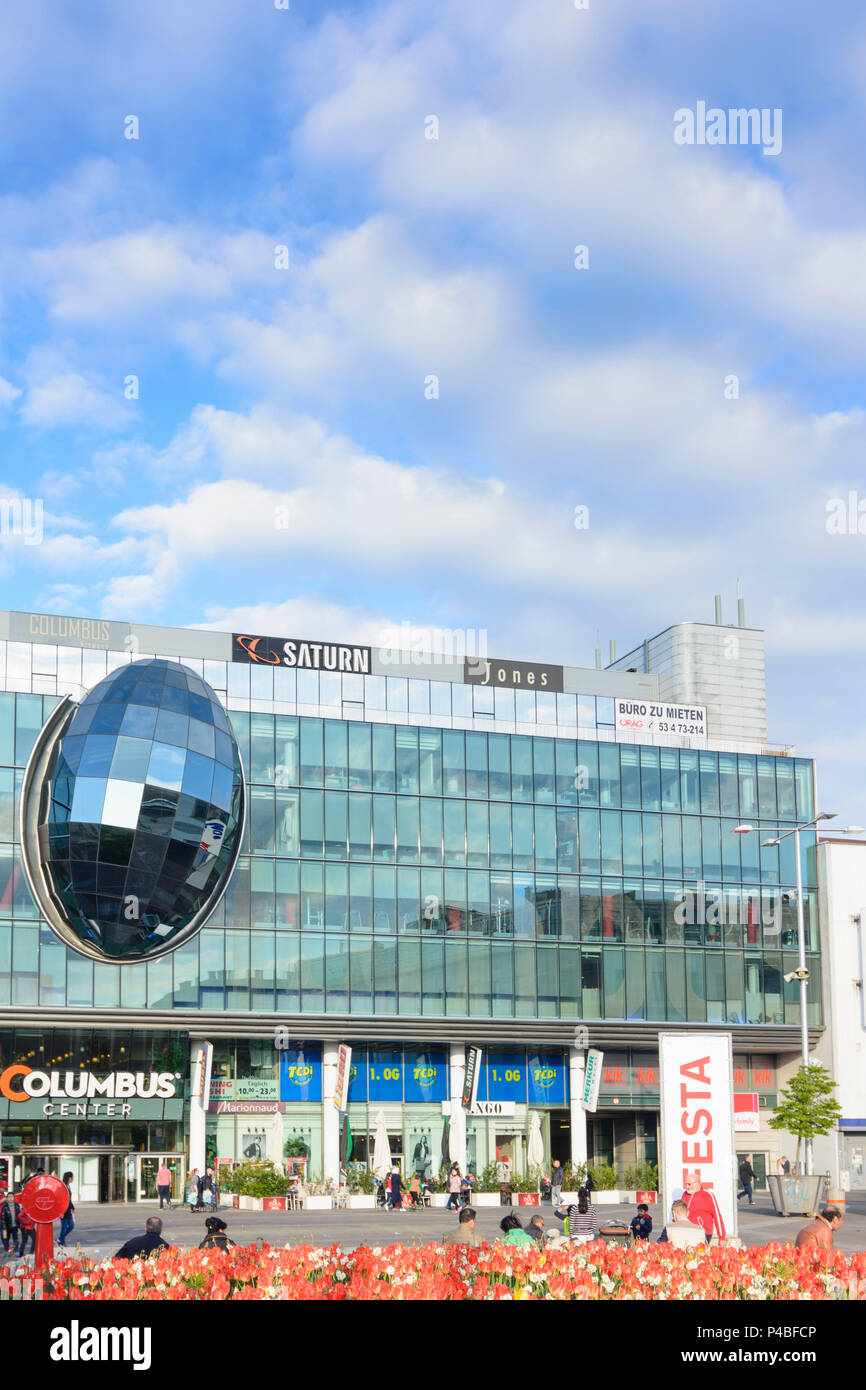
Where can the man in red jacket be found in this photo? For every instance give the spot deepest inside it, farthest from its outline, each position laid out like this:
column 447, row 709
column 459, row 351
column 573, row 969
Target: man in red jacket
column 703, row 1207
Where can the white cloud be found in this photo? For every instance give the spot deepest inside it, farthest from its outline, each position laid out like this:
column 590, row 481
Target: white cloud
column 8, row 393
column 135, row 274
column 59, row 396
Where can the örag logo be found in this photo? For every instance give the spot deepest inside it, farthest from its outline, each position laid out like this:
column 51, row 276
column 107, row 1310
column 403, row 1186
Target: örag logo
column 76, row 1343
column 737, row 126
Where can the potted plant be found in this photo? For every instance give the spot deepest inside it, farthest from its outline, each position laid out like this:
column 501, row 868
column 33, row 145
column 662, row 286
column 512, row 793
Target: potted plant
column 362, row 1189
column 806, row 1107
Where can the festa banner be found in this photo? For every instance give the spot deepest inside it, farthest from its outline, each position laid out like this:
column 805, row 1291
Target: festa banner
column 697, row 1118
column 341, row 1089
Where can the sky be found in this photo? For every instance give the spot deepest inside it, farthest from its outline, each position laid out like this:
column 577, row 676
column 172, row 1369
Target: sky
column 296, row 337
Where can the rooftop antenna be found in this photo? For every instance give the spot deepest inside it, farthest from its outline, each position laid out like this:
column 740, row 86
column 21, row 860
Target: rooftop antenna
column 741, row 607
column 718, row 610
column 612, row 651
column 597, row 652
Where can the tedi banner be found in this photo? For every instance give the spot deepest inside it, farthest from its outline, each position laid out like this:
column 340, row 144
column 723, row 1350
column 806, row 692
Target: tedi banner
column 300, row 653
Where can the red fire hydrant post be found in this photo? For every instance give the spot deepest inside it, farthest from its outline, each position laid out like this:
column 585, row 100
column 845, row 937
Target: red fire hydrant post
column 44, row 1199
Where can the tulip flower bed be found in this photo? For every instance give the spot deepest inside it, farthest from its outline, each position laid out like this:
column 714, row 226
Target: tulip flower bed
column 433, row 1271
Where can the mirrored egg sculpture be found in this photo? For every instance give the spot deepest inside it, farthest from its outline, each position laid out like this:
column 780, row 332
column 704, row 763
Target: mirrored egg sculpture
column 132, row 812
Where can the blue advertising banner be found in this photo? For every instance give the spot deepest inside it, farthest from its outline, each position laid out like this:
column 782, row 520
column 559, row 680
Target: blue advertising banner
column 384, row 1074
column 506, row 1076
column 301, row 1074
column 426, row 1076
column 358, row 1076
column 546, row 1075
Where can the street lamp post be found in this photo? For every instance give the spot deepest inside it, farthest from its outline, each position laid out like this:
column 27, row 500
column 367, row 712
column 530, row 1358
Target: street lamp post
column 802, row 973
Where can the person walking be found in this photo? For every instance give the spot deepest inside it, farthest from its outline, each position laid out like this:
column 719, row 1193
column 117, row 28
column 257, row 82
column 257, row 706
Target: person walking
column 703, row 1207
column 786, row 1164
column 747, row 1177
column 415, row 1190
column 780, row 1167
column 143, row 1245
column 67, row 1220
column 163, row 1184
column 589, row 1181
column 207, row 1192
column 9, row 1227
column 818, row 1234
column 465, row 1189
column 193, row 1194
column 454, row 1181
column 216, row 1239
column 556, row 1176
column 28, row 1232
column 395, row 1190
column 582, row 1219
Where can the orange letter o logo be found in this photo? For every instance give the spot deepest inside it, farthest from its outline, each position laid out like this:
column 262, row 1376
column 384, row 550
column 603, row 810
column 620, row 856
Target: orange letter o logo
column 18, row 1069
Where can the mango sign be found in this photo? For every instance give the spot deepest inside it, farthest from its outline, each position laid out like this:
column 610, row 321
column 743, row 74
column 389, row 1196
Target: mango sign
column 697, row 1117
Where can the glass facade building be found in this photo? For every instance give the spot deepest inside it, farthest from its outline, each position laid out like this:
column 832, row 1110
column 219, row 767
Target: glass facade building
column 428, row 863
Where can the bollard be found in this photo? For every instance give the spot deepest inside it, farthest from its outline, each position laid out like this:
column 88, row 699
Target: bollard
column 44, row 1199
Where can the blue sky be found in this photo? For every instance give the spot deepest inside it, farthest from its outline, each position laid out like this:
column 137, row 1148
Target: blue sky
column 304, row 387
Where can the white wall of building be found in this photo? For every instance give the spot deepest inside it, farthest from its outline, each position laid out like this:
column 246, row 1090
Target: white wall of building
column 842, row 894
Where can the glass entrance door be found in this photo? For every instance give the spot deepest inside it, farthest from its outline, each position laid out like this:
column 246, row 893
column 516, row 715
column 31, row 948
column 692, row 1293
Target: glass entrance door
column 853, row 1148
column 148, row 1165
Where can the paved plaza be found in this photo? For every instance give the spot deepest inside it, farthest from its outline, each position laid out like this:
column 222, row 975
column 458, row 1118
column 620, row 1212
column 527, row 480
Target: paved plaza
column 100, row 1230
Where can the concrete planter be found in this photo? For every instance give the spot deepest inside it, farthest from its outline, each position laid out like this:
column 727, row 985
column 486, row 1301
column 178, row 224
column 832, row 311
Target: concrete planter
column 362, row 1201
column 485, row 1199
column 802, row 1196
column 319, row 1203
column 250, row 1203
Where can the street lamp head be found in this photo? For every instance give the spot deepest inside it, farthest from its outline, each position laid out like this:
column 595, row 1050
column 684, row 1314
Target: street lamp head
column 827, row 815
column 771, row 842
column 851, row 830
column 742, row 829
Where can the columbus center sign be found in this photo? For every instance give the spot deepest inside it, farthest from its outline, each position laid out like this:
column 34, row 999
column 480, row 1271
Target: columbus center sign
column 697, row 1108
column 120, row 1095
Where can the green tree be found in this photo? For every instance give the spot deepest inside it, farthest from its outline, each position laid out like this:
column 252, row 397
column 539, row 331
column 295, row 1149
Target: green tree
column 807, row 1105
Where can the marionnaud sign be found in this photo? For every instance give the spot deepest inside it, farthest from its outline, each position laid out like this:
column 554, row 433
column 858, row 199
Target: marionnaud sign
column 81, row 1094
column 646, row 717
column 300, row 653
column 697, row 1108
